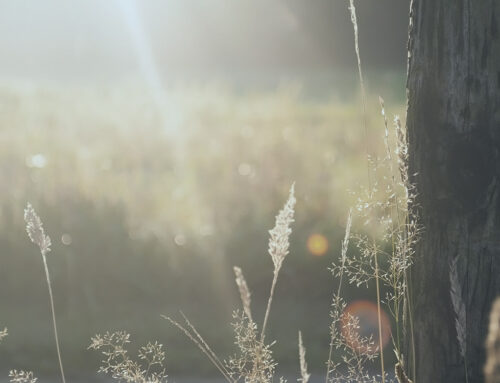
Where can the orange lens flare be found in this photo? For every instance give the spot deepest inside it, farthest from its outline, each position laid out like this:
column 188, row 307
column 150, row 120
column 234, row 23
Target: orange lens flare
column 317, row 244
column 360, row 322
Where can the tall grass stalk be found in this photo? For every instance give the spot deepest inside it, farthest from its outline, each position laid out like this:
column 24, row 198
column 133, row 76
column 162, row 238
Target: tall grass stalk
column 354, row 21
column 34, row 228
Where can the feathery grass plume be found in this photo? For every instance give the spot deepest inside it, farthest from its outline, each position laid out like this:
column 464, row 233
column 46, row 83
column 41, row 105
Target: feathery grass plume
column 302, row 359
column 492, row 366
column 34, row 228
column 278, row 246
column 244, row 291
column 21, row 377
column 279, row 241
column 118, row 364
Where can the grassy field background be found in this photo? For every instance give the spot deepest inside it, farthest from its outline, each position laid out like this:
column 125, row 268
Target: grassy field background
column 146, row 221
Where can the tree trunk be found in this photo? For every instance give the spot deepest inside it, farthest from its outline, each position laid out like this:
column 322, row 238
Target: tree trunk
column 453, row 127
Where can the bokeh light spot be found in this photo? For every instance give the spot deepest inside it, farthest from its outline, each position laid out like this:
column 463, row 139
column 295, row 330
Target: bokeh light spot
column 66, row 239
column 366, row 314
column 244, row 169
column 317, row 244
column 36, row 161
column 180, row 240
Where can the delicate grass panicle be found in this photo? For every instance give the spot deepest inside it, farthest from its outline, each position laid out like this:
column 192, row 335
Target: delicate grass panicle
column 244, row 291
column 492, row 367
column 34, row 228
column 117, row 363
column 279, row 241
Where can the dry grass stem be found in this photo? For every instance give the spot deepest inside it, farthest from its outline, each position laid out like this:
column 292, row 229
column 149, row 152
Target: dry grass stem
column 196, row 338
column 34, row 228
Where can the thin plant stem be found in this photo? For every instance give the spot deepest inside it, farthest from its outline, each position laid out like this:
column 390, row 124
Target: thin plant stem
column 268, row 309
column 53, row 316
column 203, row 347
column 379, row 319
column 354, row 21
column 410, row 318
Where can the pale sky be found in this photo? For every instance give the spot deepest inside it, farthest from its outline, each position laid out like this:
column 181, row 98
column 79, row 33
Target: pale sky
column 92, row 40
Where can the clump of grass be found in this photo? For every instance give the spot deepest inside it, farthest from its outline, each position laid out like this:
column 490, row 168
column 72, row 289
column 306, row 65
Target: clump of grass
column 357, row 351
column 385, row 257
column 253, row 363
column 36, row 233
column 117, row 363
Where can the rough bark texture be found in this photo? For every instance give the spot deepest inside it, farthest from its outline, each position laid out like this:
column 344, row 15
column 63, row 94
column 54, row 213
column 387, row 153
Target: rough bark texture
column 453, row 126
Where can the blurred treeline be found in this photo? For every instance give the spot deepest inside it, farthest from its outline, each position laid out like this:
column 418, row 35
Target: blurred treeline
column 146, row 222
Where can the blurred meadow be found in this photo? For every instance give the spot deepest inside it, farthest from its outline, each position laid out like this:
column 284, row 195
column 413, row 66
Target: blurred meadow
column 153, row 184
